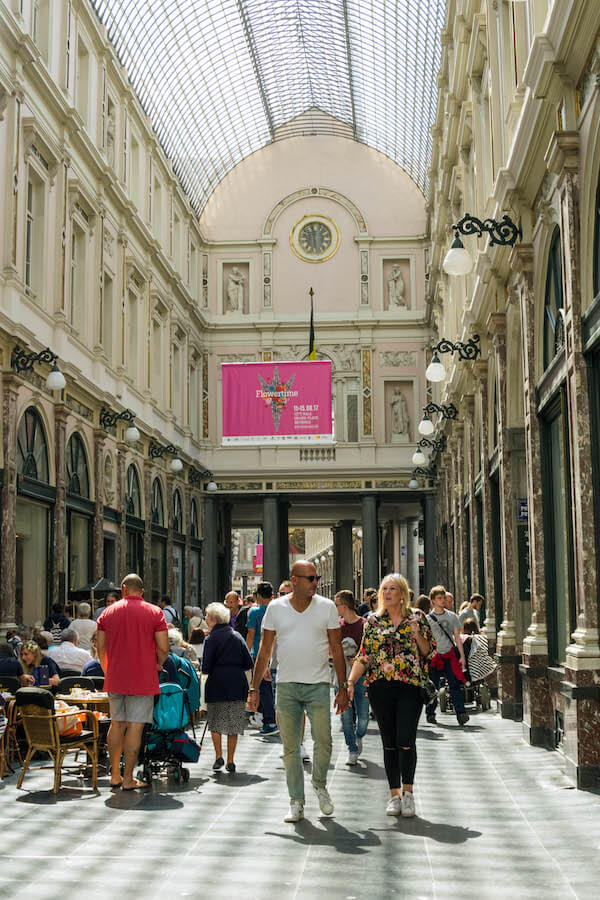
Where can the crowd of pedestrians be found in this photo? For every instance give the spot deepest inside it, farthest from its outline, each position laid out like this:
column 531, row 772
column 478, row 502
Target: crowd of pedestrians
column 269, row 662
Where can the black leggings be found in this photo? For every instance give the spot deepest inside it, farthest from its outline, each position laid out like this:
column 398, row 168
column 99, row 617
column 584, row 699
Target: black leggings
column 397, row 707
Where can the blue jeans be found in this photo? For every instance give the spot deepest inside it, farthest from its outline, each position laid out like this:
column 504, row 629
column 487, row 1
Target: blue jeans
column 293, row 700
column 359, row 707
column 454, row 685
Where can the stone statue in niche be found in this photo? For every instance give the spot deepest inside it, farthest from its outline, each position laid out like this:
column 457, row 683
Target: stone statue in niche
column 235, row 291
column 110, row 140
column 396, row 288
column 400, row 418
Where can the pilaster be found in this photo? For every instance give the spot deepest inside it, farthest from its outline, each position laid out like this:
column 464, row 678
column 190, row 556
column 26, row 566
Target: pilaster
column 8, row 547
column 98, row 526
column 59, row 587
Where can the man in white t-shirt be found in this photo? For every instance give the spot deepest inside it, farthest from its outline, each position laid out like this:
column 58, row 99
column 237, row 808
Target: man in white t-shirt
column 308, row 632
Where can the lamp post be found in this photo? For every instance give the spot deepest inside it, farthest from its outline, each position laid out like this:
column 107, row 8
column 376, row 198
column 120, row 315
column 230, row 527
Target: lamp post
column 504, row 233
column 447, row 410
column 437, row 445
column 23, row 360
column 157, row 451
column 109, row 419
column 467, row 350
column 422, row 472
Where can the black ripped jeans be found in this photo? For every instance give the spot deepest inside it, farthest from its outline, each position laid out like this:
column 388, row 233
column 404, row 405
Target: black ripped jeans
column 397, row 707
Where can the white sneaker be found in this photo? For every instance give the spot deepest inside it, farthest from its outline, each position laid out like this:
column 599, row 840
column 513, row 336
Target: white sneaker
column 304, row 752
column 352, row 759
column 295, row 812
column 359, row 745
column 393, row 807
column 325, row 804
column 256, row 721
column 408, row 805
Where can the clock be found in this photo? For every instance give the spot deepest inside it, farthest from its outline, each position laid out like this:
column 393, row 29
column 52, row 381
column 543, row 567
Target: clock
column 315, row 238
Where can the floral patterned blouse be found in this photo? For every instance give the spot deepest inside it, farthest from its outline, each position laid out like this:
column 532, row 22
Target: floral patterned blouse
column 390, row 652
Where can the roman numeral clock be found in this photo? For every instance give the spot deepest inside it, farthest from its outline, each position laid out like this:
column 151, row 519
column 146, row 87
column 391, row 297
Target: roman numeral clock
column 315, row 238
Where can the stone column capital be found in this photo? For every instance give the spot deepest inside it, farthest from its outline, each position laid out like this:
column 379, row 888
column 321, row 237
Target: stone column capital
column 496, row 326
column 480, row 370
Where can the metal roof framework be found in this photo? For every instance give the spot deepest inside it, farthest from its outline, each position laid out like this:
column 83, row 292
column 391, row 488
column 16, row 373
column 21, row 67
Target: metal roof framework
column 218, row 78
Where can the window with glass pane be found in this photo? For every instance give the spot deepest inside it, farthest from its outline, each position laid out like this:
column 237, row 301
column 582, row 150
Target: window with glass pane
column 557, row 536
column 158, row 516
column 32, row 534
column 194, row 519
column 133, row 497
column 78, row 479
column 597, row 242
column 79, row 551
column 177, row 513
column 135, row 552
column 553, row 302
column 34, row 234
column 32, row 451
column 158, row 564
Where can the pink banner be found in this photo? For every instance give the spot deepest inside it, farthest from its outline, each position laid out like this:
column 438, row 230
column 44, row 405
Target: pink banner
column 283, row 402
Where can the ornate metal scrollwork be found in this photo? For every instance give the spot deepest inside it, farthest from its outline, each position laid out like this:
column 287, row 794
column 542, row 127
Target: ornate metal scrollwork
column 22, row 360
column 438, row 444
column 448, row 410
column 468, row 350
column 503, row 233
column 108, row 418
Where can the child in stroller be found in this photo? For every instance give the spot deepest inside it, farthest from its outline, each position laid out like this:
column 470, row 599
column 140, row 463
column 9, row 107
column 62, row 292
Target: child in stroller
column 165, row 743
column 479, row 665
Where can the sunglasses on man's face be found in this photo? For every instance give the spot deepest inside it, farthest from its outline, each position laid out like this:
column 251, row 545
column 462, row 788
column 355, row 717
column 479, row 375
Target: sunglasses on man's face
column 316, row 578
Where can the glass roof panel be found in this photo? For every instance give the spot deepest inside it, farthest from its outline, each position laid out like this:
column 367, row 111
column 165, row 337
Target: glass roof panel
column 219, row 77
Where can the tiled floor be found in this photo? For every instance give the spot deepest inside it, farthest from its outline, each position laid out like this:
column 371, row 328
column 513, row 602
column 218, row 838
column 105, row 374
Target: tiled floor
column 497, row 819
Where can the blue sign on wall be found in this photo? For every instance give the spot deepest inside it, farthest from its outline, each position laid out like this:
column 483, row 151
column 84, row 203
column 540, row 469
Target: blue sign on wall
column 522, row 511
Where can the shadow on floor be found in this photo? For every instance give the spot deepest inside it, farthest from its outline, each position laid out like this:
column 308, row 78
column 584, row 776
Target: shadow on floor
column 144, row 801
column 331, row 835
column 48, row 798
column 237, row 780
column 435, row 831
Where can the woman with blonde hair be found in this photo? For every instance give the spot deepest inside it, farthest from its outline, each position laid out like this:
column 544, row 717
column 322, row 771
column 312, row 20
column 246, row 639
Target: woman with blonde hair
column 396, row 647
column 34, row 663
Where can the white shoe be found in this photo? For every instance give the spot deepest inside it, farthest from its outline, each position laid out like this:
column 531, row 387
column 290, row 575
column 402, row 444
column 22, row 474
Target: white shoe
column 352, row 759
column 393, row 807
column 304, row 752
column 325, row 804
column 256, row 721
column 408, row 805
column 295, row 812
column 359, row 745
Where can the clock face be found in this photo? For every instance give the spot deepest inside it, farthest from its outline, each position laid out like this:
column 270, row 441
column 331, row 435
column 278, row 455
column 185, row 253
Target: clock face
column 315, row 238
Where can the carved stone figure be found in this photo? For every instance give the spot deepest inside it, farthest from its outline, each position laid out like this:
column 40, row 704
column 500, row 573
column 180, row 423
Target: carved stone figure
column 235, row 290
column 396, row 288
column 400, row 418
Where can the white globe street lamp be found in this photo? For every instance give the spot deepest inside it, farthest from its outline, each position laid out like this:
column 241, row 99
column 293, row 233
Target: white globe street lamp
column 132, row 435
column 426, row 426
column 418, row 458
column 458, row 261
column 435, row 371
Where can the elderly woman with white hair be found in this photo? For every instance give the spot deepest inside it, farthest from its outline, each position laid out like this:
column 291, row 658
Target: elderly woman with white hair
column 225, row 660
column 85, row 626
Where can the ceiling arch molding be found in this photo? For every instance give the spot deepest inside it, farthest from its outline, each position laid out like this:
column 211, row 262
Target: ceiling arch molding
column 302, row 194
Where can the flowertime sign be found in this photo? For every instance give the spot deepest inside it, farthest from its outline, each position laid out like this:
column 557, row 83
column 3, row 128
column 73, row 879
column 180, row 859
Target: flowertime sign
column 277, row 403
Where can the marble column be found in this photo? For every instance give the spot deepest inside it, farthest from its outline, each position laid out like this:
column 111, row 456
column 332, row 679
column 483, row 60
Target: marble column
column 506, row 652
column 60, row 587
column 284, row 543
column 403, row 548
column 460, row 531
column 170, row 573
column 370, row 541
column 468, row 404
column 412, row 555
column 187, row 562
column 147, row 490
column 8, row 544
column 209, row 573
column 98, row 526
column 538, row 714
column 429, row 528
column 121, row 505
column 480, row 368
column 271, row 540
column 342, row 555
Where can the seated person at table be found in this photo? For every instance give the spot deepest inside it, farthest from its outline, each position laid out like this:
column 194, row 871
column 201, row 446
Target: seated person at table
column 67, row 654
column 93, row 667
column 31, row 657
column 11, row 667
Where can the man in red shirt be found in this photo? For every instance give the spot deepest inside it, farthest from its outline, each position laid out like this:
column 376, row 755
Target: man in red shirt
column 133, row 643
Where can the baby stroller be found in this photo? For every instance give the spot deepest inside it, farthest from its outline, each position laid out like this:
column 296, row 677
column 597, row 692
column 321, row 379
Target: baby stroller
column 165, row 743
column 479, row 665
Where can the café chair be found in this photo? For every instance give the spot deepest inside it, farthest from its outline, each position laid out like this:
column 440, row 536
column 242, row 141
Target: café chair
column 75, row 682
column 98, row 681
column 40, row 721
column 68, row 673
column 9, row 684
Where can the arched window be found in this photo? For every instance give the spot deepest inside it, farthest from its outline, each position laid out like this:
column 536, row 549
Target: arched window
column 597, row 242
column 554, row 331
column 133, row 498
column 194, row 519
column 32, row 450
column 158, row 514
column 177, row 513
column 78, row 479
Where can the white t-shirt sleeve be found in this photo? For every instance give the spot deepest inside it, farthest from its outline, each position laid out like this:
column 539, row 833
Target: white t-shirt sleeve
column 269, row 619
column 333, row 620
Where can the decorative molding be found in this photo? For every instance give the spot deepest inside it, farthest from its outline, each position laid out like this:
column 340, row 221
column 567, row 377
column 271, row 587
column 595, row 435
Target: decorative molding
column 344, row 485
column 77, row 407
column 237, row 357
column 400, row 359
column 348, row 205
column 367, row 398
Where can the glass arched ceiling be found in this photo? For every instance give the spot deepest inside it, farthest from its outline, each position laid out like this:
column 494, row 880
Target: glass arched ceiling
column 219, row 78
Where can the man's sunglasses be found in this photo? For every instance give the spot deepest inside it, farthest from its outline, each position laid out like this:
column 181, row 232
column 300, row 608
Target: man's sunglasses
column 316, row 578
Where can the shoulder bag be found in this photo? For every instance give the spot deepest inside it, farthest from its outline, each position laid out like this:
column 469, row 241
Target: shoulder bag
column 448, row 635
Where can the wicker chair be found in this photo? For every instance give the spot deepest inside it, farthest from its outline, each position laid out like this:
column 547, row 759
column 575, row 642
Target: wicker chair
column 40, row 721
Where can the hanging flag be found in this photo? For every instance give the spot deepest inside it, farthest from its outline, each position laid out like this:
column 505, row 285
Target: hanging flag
column 312, row 350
